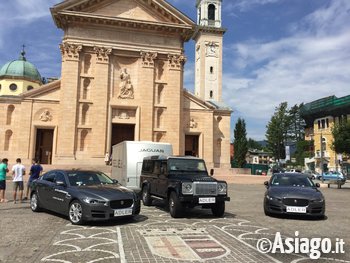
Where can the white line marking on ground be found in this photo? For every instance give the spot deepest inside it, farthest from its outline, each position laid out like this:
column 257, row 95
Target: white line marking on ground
column 248, row 245
column 121, row 246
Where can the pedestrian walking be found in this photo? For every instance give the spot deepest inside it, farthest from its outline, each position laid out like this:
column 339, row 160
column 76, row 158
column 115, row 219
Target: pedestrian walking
column 3, row 171
column 35, row 171
column 18, row 171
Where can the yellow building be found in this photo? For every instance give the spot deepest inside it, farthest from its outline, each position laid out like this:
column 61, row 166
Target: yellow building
column 122, row 79
column 320, row 117
column 19, row 76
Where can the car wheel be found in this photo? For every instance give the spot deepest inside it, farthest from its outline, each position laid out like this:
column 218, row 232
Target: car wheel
column 146, row 197
column 137, row 207
column 175, row 206
column 218, row 209
column 76, row 213
column 266, row 212
column 34, row 203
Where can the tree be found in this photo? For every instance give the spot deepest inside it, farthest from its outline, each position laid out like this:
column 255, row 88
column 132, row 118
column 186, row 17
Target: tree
column 341, row 138
column 240, row 143
column 296, row 129
column 253, row 144
column 277, row 131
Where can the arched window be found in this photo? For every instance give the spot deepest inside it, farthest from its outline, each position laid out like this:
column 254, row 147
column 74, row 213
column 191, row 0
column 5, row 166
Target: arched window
column 8, row 137
column 84, row 117
column 211, row 12
column 83, row 140
column 30, row 88
column 10, row 110
column 211, row 94
column 211, row 70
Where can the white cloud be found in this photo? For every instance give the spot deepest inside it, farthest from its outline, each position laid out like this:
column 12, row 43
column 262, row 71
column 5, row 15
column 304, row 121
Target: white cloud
column 312, row 63
column 18, row 13
column 245, row 5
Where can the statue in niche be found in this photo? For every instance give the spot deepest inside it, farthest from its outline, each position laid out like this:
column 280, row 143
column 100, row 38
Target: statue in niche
column 126, row 88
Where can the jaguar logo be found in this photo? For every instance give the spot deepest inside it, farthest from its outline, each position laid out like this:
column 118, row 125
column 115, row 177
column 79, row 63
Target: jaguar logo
column 121, row 202
column 295, row 201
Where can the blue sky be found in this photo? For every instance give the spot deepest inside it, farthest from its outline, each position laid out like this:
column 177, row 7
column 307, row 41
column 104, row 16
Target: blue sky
column 274, row 50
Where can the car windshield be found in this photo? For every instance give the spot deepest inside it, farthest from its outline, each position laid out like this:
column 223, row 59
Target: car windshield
column 79, row 178
column 297, row 181
column 185, row 165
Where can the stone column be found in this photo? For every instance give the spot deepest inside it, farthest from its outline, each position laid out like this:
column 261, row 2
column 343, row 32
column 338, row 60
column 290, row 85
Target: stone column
column 147, row 92
column 67, row 123
column 100, row 99
column 174, row 102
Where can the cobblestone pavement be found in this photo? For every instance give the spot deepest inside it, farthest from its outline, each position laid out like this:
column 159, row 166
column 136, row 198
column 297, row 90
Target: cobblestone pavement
column 154, row 236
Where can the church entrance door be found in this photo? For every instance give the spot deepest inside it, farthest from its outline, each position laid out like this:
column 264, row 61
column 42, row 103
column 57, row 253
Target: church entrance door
column 43, row 145
column 122, row 132
column 192, row 145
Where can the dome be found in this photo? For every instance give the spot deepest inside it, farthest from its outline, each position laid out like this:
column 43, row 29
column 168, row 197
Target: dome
column 21, row 69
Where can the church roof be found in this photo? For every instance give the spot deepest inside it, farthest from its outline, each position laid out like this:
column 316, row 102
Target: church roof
column 159, row 14
column 219, row 105
column 20, row 69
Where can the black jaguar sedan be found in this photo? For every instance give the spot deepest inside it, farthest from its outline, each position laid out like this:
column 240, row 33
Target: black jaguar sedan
column 293, row 193
column 83, row 196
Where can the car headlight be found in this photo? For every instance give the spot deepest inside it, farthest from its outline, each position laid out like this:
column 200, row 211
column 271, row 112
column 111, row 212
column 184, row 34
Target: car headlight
column 272, row 198
column 92, row 201
column 187, row 188
column 222, row 188
column 318, row 200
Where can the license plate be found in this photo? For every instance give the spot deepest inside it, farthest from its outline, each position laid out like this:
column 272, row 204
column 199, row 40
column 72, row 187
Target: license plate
column 296, row 209
column 207, row 200
column 123, row 212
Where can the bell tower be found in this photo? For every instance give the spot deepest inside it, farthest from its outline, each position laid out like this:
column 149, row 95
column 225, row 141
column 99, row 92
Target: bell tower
column 209, row 47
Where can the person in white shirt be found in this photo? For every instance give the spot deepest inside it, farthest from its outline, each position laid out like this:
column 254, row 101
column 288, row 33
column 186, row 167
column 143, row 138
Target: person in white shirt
column 18, row 171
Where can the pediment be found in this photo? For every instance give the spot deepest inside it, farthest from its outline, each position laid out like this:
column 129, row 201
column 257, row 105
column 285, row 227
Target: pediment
column 49, row 91
column 143, row 10
column 192, row 102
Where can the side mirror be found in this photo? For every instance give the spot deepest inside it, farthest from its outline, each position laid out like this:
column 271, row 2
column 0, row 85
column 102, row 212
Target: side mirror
column 115, row 181
column 266, row 183
column 60, row 183
column 317, row 185
column 211, row 172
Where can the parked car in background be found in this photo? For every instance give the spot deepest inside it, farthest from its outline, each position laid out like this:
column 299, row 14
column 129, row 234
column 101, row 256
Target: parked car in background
column 333, row 177
column 83, row 196
column 296, row 194
column 312, row 174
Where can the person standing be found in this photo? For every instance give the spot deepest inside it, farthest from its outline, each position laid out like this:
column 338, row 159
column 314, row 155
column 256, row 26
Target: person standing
column 3, row 171
column 18, row 171
column 35, row 172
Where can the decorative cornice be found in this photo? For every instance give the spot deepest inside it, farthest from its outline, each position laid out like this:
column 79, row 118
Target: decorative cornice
column 148, row 58
column 102, row 53
column 70, row 51
column 65, row 18
column 176, row 61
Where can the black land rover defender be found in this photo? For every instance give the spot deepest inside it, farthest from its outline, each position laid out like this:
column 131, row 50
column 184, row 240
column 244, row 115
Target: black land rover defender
column 183, row 182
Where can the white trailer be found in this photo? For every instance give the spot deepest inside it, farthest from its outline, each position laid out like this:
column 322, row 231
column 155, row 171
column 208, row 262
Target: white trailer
column 127, row 160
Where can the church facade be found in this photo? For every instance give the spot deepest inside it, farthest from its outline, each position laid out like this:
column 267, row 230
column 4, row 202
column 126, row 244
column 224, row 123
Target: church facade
column 122, row 79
